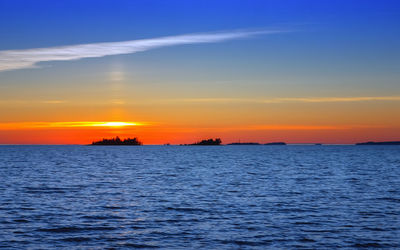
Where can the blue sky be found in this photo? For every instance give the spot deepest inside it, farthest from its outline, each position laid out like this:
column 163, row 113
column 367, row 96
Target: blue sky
column 50, row 23
column 330, row 49
column 331, row 38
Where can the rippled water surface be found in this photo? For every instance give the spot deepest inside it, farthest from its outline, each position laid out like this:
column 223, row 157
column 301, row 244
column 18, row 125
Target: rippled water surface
column 199, row 197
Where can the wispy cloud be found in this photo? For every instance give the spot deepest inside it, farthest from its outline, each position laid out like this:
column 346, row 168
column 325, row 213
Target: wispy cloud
column 334, row 99
column 289, row 99
column 223, row 101
column 53, row 101
column 31, row 102
column 309, row 127
column 28, row 58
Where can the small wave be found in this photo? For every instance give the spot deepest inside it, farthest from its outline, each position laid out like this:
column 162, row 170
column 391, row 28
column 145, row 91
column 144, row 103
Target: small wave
column 45, row 192
column 168, row 234
column 27, row 208
column 306, row 240
column 393, row 199
column 365, row 245
column 306, row 223
column 21, row 220
column 133, row 245
column 102, row 217
column 113, row 207
column 76, row 239
column 348, row 226
column 377, row 229
column 177, row 220
column 244, row 242
column 321, row 230
column 187, row 209
column 293, row 210
column 75, row 229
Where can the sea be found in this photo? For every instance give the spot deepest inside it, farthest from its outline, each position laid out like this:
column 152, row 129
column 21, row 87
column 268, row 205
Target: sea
column 200, row 197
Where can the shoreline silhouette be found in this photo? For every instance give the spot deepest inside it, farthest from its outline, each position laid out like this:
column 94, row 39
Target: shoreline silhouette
column 275, row 144
column 208, row 142
column 217, row 142
column 117, row 142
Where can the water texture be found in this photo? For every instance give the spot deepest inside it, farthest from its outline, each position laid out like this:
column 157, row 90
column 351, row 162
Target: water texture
column 219, row 197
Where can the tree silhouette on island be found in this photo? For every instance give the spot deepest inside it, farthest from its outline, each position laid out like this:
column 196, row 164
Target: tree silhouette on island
column 135, row 142
column 118, row 142
column 209, row 142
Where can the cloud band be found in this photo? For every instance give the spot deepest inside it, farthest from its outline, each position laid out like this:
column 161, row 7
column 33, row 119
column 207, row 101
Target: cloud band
column 28, row 58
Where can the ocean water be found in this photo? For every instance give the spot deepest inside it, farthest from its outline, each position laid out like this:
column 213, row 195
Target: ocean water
column 219, row 197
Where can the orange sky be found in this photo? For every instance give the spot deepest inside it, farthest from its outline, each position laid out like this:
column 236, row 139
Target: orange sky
column 156, row 134
column 186, row 120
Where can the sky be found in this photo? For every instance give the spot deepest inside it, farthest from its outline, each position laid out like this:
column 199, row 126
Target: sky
column 309, row 71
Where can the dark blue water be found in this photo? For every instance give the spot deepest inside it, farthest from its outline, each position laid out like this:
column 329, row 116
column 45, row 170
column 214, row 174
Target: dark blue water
column 199, row 197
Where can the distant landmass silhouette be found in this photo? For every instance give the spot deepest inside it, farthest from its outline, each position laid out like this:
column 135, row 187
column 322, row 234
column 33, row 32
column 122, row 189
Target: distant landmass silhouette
column 378, row 143
column 117, row 142
column 208, row 142
column 275, row 143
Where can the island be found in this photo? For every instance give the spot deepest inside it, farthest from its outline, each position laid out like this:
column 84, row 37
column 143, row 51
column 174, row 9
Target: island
column 117, row 142
column 372, row 143
column 208, row 142
column 275, row 143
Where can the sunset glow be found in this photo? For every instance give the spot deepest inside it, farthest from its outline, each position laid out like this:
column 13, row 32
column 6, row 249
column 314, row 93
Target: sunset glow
column 280, row 72
column 35, row 125
column 111, row 124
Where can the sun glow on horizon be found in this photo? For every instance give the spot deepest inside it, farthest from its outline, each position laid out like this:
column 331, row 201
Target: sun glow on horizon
column 33, row 125
column 114, row 124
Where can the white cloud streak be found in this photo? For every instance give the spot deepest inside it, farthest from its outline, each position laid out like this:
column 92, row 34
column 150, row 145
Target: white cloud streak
column 282, row 100
column 292, row 99
column 334, row 99
column 28, row 58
